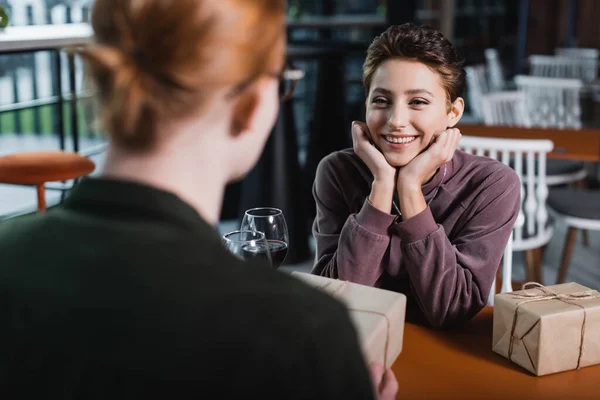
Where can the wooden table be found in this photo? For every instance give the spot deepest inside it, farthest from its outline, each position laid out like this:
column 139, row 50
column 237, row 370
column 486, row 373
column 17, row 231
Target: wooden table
column 570, row 144
column 461, row 365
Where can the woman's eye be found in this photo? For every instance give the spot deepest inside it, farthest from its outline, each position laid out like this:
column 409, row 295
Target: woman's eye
column 380, row 101
column 418, row 102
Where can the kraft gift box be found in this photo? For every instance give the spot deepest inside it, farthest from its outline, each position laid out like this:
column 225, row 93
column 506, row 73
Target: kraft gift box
column 548, row 329
column 377, row 314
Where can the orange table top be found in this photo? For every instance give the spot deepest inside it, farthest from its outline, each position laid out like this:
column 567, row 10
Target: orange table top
column 571, row 144
column 460, row 364
column 34, row 168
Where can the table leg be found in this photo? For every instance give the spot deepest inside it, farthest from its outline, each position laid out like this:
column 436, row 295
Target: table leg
column 41, row 197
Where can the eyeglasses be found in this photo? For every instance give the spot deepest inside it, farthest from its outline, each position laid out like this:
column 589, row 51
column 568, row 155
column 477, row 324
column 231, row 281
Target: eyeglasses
column 288, row 79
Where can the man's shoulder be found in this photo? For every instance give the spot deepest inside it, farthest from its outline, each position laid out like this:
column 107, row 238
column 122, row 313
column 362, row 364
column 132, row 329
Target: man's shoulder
column 294, row 294
column 199, row 270
column 14, row 230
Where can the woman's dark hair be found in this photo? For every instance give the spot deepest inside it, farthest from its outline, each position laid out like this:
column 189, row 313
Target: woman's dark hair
column 421, row 43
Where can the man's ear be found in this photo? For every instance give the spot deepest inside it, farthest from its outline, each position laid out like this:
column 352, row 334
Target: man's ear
column 244, row 112
column 456, row 112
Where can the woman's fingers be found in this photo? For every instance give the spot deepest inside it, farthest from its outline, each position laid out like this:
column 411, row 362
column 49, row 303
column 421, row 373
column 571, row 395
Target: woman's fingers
column 453, row 136
column 359, row 134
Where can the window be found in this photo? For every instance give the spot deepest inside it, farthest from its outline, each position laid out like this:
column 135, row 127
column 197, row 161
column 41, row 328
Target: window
column 29, row 109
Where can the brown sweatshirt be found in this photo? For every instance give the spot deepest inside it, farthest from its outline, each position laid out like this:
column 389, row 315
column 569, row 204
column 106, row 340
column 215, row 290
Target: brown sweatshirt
column 444, row 259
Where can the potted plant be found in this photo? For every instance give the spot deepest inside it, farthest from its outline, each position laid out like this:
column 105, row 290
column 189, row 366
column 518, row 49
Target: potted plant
column 294, row 10
column 3, row 18
column 382, row 8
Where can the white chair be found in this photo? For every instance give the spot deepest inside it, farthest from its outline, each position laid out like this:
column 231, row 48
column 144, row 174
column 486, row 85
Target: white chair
column 564, row 66
column 495, row 70
column 532, row 230
column 508, row 109
column 578, row 52
column 505, row 109
column 555, row 102
column 589, row 56
column 551, row 102
column 477, row 87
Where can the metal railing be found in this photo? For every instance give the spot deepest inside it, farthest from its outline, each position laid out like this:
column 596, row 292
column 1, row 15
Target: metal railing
column 36, row 87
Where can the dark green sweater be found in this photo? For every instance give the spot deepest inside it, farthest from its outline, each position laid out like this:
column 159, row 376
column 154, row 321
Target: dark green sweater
column 125, row 292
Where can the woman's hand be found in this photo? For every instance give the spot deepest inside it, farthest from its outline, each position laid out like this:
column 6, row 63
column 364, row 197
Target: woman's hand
column 421, row 168
column 385, row 384
column 364, row 148
column 384, row 175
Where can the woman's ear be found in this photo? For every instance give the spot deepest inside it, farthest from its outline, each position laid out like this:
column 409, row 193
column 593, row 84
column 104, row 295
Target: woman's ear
column 456, row 111
column 244, row 112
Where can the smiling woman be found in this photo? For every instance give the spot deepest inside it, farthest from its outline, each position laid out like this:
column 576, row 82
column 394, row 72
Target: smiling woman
column 404, row 210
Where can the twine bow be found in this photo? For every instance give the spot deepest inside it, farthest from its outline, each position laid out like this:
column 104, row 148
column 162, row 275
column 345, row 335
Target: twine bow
column 549, row 294
column 339, row 289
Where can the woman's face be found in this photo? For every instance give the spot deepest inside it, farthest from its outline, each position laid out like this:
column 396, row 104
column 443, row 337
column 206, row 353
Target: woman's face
column 406, row 107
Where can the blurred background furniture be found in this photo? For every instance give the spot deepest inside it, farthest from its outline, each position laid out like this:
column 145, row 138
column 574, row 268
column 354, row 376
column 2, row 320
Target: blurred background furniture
column 533, row 229
column 44, row 102
column 577, row 52
column 505, row 108
column 477, row 88
column 564, row 66
column 38, row 168
column 520, row 108
column 577, row 209
column 495, row 70
column 569, row 144
column 551, row 102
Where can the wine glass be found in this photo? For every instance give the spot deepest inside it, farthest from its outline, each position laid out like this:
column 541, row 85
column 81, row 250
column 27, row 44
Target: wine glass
column 248, row 245
column 271, row 222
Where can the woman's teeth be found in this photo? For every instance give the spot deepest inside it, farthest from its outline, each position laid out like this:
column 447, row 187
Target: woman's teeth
column 400, row 140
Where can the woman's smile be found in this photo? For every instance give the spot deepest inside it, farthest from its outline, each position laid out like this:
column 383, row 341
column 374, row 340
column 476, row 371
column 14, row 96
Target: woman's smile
column 399, row 142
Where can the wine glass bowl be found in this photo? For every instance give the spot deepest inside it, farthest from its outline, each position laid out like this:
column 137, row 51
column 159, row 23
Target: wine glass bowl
column 248, row 245
column 271, row 222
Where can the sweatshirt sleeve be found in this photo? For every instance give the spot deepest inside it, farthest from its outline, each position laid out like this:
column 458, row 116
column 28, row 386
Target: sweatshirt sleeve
column 351, row 247
column 451, row 279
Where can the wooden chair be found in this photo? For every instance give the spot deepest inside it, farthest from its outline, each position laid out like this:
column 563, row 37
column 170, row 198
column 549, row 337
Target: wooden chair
column 38, row 168
column 532, row 230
